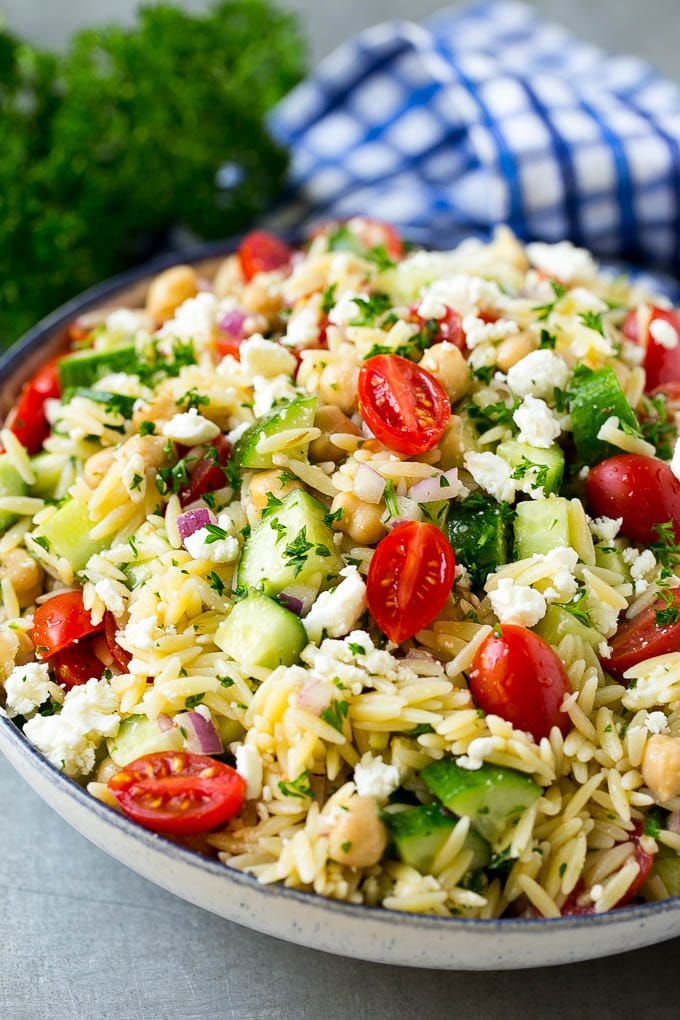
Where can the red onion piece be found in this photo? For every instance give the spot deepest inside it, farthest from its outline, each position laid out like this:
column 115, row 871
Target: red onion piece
column 673, row 822
column 290, row 602
column 431, row 490
column 194, row 520
column 316, row 696
column 201, row 735
column 232, row 322
column 298, row 593
column 165, row 723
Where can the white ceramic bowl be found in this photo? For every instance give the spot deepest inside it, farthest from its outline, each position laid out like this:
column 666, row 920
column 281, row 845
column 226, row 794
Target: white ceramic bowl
column 366, row 933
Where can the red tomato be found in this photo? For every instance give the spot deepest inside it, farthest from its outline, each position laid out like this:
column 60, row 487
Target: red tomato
column 178, row 793
column 118, row 654
column 368, row 234
column 261, row 252
column 208, row 472
column 409, row 579
column 517, row 676
column 404, row 406
column 77, row 664
column 449, row 328
column 60, row 622
column 670, row 390
column 227, row 345
column 577, row 903
column 27, row 419
column 641, row 638
column 661, row 364
column 642, row 490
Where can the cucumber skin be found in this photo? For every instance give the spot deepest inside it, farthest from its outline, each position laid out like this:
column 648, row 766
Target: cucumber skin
column 85, row 367
column 11, row 484
column 479, row 535
column 593, row 400
column 262, row 632
column 534, row 529
column 420, row 832
column 295, row 415
column 68, row 534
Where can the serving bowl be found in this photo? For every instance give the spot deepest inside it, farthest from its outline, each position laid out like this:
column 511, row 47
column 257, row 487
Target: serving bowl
column 367, row 933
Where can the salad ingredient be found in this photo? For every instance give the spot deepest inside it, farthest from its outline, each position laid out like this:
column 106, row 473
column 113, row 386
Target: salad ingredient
column 262, row 632
column 420, row 833
column 296, row 417
column 169, row 290
column 60, row 622
column 11, row 484
column 404, row 405
column 358, row 837
column 199, row 733
column 67, row 534
column 661, row 766
column 207, row 475
column 178, row 793
column 478, row 529
column 118, row 654
column 410, row 578
column 581, row 901
column 595, row 398
column 261, row 252
column 647, row 635
column 660, row 338
column 517, row 676
column 643, row 491
column 28, row 420
column 139, row 736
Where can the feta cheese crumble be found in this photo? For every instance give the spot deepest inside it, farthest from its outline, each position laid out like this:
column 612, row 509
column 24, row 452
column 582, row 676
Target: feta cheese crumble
column 537, row 424
column 538, row 374
column 28, row 687
column 265, row 358
column 675, row 459
column 493, row 474
column 190, row 428
column 564, row 261
column 664, row 334
column 517, row 603
column 249, row 767
column 335, row 612
column 374, row 778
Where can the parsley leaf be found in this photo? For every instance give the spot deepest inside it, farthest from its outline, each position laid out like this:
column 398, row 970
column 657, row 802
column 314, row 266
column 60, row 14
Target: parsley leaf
column 297, row 551
column 671, row 614
column 336, row 714
column 297, row 787
column 593, row 320
column 371, row 309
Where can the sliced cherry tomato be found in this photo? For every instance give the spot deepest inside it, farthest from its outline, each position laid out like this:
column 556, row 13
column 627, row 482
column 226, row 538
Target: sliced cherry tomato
column 449, row 328
column 642, row 490
column 77, row 664
column 409, row 579
column 227, row 345
column 118, row 654
column 208, row 472
column 27, row 419
column 662, row 363
column 178, row 793
column 404, row 406
column 579, row 904
column 517, row 676
column 642, row 637
column 261, row 252
column 60, row 622
column 361, row 234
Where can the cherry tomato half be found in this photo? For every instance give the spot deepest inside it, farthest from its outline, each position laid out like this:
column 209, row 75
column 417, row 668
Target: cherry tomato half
column 642, row 490
column 404, row 406
column 60, row 622
column 261, row 252
column 27, row 419
column 642, row 637
column 208, row 472
column 577, row 903
column 118, row 654
column 517, row 676
column 77, row 663
column 661, row 364
column 409, row 579
column 178, row 793
column 448, row 329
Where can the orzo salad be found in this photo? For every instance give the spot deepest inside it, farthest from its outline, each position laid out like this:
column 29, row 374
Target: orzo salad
column 358, row 568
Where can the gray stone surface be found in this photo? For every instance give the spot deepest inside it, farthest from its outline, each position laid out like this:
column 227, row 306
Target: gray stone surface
column 82, row 937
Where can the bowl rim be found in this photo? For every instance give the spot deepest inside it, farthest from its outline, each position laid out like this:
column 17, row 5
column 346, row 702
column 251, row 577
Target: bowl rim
column 12, row 361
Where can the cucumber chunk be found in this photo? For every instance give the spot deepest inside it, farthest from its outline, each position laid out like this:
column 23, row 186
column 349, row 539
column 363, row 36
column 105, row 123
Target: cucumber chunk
column 558, row 622
column 541, row 525
column 261, row 632
column 298, row 414
column 550, row 462
column 67, row 534
column 48, row 468
column 491, row 796
column 419, row 833
column 85, row 367
column 138, row 735
column 667, row 867
column 11, row 484
column 478, row 529
column 115, row 403
column 293, row 545
column 595, row 397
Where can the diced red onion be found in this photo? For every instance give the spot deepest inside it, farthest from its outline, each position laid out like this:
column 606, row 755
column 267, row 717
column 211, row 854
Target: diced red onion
column 298, row 593
column 165, row 723
column 431, row 490
column 368, row 484
column 673, row 822
column 232, row 322
column 316, row 696
column 194, row 520
column 291, row 603
column 201, row 735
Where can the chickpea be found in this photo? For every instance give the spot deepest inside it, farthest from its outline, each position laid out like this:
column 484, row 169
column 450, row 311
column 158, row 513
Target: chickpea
column 448, row 365
column 25, row 574
column 261, row 298
column 228, row 278
column 661, row 766
column 97, row 466
column 330, row 419
column 338, row 385
column 358, row 837
column 360, row 520
column 161, row 409
column 266, row 483
column 513, row 349
column 169, row 290
column 151, row 448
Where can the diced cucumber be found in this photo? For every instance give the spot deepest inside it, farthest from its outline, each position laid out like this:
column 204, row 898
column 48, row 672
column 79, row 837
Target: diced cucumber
column 667, row 867
column 298, row 414
column 595, row 397
column 293, row 545
column 67, row 534
column 558, row 622
column 478, row 529
column 48, row 468
column 610, row 556
column 138, row 735
column 419, row 833
column 83, row 368
column 11, row 484
column 228, row 730
column 259, row 631
column 116, row 403
column 541, row 525
column 550, row 463
column 492, row 797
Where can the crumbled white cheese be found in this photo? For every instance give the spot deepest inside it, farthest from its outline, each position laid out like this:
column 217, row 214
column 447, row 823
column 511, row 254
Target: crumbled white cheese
column 203, row 545
column 265, row 358
column 478, row 751
column 643, row 564
column 538, row 374
column 335, row 612
column 664, row 334
column 138, row 633
column 537, row 424
column 604, row 650
column 346, row 309
column 606, row 528
column 190, row 428
column 656, row 722
column 193, row 321
column 561, row 563
column 675, row 460
column 374, row 778
column 267, row 391
column 564, row 261
column 110, row 596
column 237, row 432
column 126, row 321
column 603, row 617
column 249, row 766
column 302, row 329
column 493, row 474
column 517, row 603
column 477, row 331
column 27, row 687
column 467, row 294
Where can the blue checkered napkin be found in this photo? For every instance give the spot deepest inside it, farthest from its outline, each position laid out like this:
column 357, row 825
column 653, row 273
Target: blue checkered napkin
column 484, row 115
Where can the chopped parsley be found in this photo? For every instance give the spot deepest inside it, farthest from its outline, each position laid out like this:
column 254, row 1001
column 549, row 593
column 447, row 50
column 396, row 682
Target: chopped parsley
column 328, row 298
column 543, row 311
column 332, row 518
column 192, row 701
column 371, row 309
column 491, row 415
column 656, row 426
column 528, row 467
column 336, row 714
column 297, row 551
column 297, row 787
column 666, row 550
column 192, row 400
column 215, row 533
column 273, row 503
column 147, row 428
column 391, row 499
column 670, row 614
column 576, row 608
column 279, row 528
column 592, row 320
column 175, row 478
column 216, row 583
column 225, row 681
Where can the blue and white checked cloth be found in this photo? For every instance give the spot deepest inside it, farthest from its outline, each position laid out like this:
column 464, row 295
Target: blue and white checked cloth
column 484, row 115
